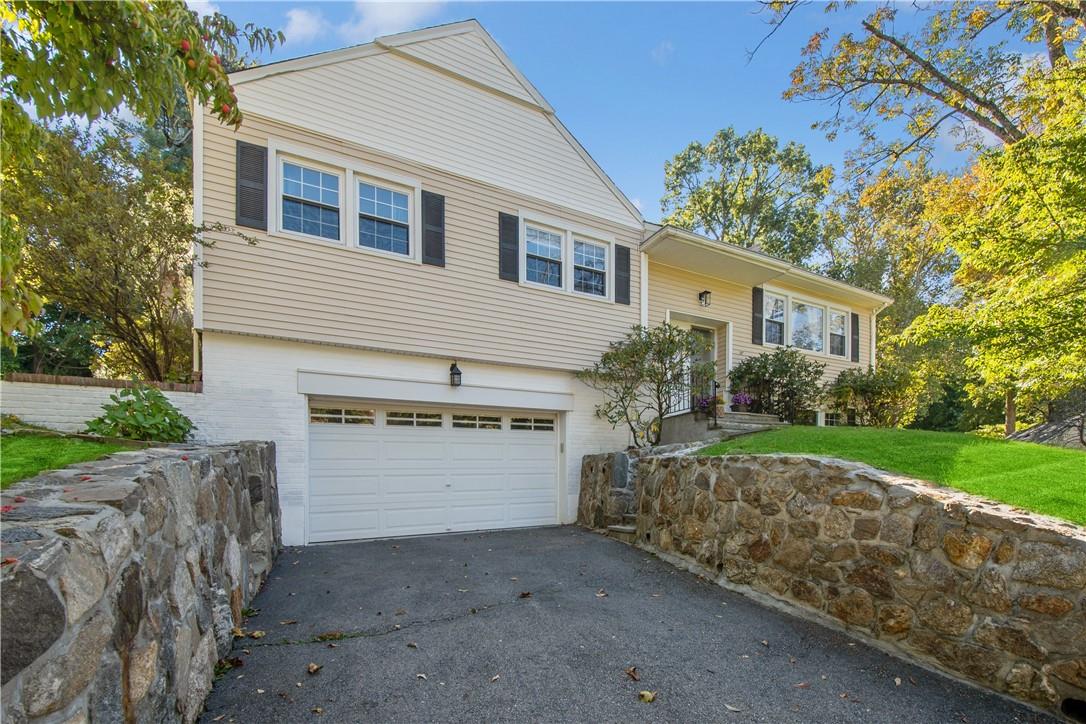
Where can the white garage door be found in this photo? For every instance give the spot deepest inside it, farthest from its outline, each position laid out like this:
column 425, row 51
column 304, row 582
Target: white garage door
column 396, row 471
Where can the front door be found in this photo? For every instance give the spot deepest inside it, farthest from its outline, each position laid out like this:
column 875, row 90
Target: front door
column 682, row 398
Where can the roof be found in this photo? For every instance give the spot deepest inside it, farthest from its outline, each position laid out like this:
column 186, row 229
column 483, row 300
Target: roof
column 688, row 250
column 403, row 45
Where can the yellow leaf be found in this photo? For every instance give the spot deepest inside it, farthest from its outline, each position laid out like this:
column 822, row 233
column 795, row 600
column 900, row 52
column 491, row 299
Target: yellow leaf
column 647, row 696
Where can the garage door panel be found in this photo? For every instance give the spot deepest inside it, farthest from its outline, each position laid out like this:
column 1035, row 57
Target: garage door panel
column 344, row 524
column 336, row 486
column 408, row 520
column 374, row 480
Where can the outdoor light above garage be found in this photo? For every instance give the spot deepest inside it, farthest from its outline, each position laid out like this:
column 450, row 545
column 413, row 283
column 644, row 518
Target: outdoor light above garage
column 706, row 298
column 454, row 375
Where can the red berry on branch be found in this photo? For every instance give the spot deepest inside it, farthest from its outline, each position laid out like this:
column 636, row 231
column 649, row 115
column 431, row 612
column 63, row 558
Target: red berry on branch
column 185, row 45
column 225, row 108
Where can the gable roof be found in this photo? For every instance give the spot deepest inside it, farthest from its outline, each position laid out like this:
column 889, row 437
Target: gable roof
column 463, row 50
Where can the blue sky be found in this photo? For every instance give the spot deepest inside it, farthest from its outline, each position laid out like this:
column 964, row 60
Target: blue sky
column 634, row 82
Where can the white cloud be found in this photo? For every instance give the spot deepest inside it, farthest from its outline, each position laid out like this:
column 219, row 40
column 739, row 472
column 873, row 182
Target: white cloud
column 662, row 52
column 374, row 19
column 304, row 26
column 202, row 7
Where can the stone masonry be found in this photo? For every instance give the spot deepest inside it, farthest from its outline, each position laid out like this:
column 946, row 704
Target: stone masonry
column 122, row 580
column 986, row 592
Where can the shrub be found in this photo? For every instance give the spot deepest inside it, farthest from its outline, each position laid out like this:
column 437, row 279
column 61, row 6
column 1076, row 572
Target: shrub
column 879, row 397
column 781, row 382
column 141, row 413
column 640, row 376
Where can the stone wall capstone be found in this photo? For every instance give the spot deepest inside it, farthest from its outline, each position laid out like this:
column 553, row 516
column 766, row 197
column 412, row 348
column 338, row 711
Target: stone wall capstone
column 122, row 580
column 986, row 592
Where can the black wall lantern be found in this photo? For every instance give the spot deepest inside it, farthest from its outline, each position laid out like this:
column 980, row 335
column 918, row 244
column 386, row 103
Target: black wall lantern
column 455, row 375
column 706, row 298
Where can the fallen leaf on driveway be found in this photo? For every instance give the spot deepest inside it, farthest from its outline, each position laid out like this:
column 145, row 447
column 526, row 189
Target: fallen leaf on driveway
column 462, row 590
column 525, row 594
column 633, row 673
column 220, row 717
column 802, row 685
column 729, row 707
column 495, row 677
column 765, row 643
column 313, row 667
column 260, row 691
column 601, row 593
column 647, row 696
column 421, row 676
column 412, row 645
column 288, row 622
column 257, row 634
column 514, row 578
column 317, row 710
column 897, row 681
column 333, row 646
column 330, row 636
column 237, row 632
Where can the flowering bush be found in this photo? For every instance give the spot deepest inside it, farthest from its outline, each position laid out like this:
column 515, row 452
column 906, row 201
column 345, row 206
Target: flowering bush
column 742, row 398
column 704, row 403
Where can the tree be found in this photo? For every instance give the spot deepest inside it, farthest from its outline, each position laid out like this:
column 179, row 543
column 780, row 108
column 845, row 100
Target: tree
column 1017, row 221
column 641, row 375
column 747, row 190
column 942, row 67
column 110, row 236
column 89, row 59
column 64, row 344
column 783, row 382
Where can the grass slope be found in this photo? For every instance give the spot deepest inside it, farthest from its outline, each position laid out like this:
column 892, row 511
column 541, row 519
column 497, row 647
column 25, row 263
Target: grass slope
column 1040, row 478
column 23, row 456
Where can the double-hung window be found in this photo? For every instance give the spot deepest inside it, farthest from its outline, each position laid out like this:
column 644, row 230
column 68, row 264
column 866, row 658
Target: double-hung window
column 808, row 326
column 838, row 333
column 589, row 268
column 543, row 258
column 310, row 201
column 383, row 219
column 775, row 307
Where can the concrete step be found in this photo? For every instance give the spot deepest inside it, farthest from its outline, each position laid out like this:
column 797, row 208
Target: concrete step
column 751, row 417
column 624, row 533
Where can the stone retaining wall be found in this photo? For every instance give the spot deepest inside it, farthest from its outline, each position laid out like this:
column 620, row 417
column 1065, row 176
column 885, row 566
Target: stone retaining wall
column 986, row 592
column 123, row 578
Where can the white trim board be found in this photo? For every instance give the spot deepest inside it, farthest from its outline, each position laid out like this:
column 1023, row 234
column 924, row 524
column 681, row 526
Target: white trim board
column 328, row 384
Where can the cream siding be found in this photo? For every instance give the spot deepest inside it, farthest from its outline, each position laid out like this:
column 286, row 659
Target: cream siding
column 315, row 291
column 394, row 105
column 673, row 290
column 468, row 55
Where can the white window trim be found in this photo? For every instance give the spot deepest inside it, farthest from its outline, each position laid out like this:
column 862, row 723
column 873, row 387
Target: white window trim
column 826, row 307
column 277, row 175
column 350, row 172
column 830, row 311
column 568, row 231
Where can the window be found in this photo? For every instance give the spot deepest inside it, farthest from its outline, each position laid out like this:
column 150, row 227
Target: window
column 383, row 219
column 808, row 330
column 531, row 423
column 774, row 319
column 477, row 422
column 310, row 201
column 340, row 416
column 832, row 419
column 589, row 268
column 838, row 333
column 544, row 257
column 413, row 419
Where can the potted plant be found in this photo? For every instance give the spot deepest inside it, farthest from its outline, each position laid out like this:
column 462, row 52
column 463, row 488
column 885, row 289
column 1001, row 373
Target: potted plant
column 741, row 402
column 703, row 404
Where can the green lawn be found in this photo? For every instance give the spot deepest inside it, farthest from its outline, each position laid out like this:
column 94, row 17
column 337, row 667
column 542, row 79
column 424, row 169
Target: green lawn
column 23, row 456
column 1044, row 479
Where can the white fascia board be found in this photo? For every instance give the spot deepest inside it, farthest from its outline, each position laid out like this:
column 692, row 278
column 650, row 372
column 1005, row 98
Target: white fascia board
column 330, row 384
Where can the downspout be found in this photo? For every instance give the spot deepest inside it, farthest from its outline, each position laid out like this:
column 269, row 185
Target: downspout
column 197, row 247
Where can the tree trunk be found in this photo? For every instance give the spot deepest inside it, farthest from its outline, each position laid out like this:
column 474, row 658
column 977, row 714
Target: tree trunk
column 1010, row 413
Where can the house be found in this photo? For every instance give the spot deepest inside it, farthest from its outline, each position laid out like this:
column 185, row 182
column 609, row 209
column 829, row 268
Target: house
column 435, row 257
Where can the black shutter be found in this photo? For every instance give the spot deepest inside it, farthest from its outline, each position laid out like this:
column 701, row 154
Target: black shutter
column 509, row 247
column 757, row 303
column 251, row 200
column 855, row 337
column 622, row 275
column 433, row 229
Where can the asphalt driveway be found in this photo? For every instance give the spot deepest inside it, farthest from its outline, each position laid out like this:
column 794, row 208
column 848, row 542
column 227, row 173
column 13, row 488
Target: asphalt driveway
column 541, row 625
